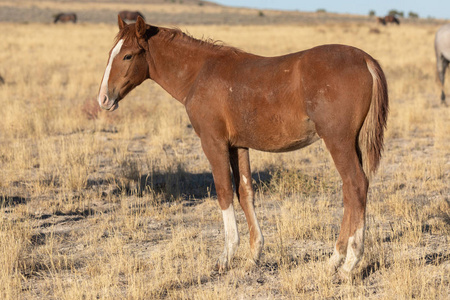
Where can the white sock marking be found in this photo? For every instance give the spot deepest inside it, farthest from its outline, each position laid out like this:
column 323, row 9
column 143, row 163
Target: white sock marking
column 231, row 231
column 354, row 253
column 336, row 259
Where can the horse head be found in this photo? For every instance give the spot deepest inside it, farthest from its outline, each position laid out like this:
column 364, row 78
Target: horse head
column 127, row 65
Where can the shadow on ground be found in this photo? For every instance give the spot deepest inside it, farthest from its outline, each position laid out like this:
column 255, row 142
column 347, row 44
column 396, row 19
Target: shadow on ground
column 181, row 184
column 11, row 201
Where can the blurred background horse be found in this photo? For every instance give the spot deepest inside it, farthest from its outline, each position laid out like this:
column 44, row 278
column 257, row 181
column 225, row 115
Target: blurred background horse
column 388, row 19
column 130, row 15
column 65, row 17
column 442, row 49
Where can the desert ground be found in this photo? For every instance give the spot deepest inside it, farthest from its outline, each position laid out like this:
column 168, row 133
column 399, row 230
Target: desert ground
column 122, row 205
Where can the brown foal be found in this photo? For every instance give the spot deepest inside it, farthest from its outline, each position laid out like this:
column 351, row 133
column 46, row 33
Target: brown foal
column 237, row 100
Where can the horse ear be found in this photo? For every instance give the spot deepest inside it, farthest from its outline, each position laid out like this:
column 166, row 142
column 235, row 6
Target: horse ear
column 141, row 27
column 121, row 22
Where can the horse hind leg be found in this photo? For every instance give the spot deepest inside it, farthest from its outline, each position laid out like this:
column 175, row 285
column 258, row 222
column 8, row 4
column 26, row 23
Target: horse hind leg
column 240, row 164
column 350, row 243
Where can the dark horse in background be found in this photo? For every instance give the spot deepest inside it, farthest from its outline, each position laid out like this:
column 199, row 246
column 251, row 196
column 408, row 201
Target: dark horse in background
column 442, row 49
column 388, row 19
column 130, row 15
column 237, row 100
column 65, row 17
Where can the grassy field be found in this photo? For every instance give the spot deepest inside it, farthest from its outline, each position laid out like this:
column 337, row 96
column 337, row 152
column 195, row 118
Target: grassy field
column 121, row 205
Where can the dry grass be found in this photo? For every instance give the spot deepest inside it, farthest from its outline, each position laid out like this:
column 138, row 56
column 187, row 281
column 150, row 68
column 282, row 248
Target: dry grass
column 121, row 205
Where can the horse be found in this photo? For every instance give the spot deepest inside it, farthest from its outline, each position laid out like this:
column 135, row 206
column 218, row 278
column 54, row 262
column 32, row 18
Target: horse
column 391, row 19
column 65, row 17
column 2, row 81
column 237, row 100
column 130, row 15
column 442, row 50
column 381, row 21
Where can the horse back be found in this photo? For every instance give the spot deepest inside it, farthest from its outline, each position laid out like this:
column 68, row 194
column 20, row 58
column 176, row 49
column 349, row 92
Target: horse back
column 277, row 103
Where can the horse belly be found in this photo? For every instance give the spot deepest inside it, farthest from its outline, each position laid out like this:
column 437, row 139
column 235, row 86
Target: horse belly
column 278, row 134
column 289, row 144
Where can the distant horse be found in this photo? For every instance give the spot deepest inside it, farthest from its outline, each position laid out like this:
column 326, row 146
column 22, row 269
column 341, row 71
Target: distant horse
column 130, row 15
column 237, row 100
column 64, row 17
column 442, row 49
column 381, row 21
column 391, row 19
column 2, row 81
column 388, row 19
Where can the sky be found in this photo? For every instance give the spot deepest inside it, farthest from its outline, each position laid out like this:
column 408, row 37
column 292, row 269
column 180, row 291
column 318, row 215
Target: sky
column 439, row 9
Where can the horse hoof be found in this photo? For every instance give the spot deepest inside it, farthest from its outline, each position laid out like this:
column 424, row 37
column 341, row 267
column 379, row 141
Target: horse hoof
column 335, row 262
column 221, row 265
column 344, row 276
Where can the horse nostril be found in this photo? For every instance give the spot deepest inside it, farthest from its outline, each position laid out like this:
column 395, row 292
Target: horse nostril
column 105, row 99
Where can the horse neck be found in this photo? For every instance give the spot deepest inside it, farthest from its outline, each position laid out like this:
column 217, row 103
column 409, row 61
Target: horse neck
column 174, row 64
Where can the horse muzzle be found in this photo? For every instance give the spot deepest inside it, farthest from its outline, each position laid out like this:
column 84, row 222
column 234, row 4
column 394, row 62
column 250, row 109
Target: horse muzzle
column 108, row 103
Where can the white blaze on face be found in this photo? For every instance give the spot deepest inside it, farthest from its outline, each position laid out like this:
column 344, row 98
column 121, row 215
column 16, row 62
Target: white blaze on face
column 104, row 85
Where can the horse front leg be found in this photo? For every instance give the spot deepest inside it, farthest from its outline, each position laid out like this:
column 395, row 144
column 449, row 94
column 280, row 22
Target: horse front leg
column 240, row 164
column 219, row 158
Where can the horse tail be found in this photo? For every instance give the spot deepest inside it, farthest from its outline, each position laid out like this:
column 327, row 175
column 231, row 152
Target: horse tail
column 371, row 135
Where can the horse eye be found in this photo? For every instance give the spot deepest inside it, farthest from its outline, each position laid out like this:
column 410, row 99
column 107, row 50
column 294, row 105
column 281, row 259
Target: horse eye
column 127, row 57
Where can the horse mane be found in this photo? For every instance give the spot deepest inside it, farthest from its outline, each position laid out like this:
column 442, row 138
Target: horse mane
column 170, row 34
column 216, row 45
